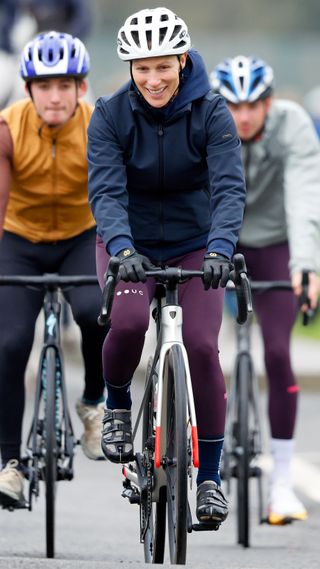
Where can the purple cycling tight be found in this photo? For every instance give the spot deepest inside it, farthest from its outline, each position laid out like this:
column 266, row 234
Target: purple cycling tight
column 276, row 312
column 202, row 315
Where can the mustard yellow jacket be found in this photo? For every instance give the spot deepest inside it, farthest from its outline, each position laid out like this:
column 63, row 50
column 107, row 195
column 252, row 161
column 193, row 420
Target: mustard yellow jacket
column 48, row 199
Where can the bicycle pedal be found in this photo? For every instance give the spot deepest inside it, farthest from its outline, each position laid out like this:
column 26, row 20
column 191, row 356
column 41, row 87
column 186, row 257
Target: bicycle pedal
column 131, row 495
column 206, row 526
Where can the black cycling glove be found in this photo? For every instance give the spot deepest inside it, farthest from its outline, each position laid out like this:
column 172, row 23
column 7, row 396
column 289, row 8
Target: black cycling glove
column 216, row 270
column 133, row 265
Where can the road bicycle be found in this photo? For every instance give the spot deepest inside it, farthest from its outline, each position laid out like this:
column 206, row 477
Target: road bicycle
column 51, row 441
column 157, row 479
column 243, row 443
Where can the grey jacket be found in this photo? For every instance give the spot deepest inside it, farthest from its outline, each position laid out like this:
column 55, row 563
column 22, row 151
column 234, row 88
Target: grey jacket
column 283, row 186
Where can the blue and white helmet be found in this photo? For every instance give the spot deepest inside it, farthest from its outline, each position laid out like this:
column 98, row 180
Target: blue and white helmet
column 242, row 79
column 54, row 54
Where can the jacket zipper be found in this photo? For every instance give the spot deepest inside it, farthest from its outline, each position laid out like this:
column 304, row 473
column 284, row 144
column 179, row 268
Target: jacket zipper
column 161, row 178
column 54, row 181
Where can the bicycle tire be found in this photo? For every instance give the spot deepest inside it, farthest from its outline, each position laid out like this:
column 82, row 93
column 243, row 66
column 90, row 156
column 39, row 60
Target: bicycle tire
column 244, row 371
column 176, row 459
column 154, row 540
column 50, row 449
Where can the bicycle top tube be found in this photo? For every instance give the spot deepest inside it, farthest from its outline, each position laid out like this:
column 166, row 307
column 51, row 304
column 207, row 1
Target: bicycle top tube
column 48, row 280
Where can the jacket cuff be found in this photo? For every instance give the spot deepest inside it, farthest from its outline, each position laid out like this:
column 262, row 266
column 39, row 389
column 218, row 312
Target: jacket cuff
column 117, row 244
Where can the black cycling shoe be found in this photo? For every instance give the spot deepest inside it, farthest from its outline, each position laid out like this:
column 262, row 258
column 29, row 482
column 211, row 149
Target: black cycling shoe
column 212, row 506
column 116, row 442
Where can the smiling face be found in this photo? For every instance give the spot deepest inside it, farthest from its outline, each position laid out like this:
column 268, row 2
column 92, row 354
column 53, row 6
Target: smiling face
column 157, row 78
column 56, row 99
column 250, row 117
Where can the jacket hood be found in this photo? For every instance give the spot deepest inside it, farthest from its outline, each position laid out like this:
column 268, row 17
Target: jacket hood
column 194, row 81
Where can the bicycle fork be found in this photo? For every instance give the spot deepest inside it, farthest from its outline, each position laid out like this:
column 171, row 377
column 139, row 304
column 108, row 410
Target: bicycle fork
column 171, row 330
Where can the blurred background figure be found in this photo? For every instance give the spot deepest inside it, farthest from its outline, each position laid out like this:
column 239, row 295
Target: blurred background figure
column 279, row 239
column 71, row 16
column 311, row 103
column 16, row 28
column 20, row 20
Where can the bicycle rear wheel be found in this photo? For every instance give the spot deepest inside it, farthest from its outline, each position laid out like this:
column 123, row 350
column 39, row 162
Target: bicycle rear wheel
column 244, row 373
column 176, row 459
column 50, row 470
column 154, row 512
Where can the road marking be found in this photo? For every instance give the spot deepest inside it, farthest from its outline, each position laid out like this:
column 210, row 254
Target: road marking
column 306, row 476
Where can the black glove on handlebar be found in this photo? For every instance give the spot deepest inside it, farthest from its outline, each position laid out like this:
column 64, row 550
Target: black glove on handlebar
column 216, row 270
column 133, row 265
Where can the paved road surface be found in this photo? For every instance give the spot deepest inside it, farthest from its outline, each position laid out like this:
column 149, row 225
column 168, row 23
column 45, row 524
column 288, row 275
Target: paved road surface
column 97, row 528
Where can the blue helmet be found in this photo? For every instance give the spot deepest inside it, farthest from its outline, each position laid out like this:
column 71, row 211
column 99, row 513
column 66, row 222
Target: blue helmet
column 242, row 79
column 54, row 54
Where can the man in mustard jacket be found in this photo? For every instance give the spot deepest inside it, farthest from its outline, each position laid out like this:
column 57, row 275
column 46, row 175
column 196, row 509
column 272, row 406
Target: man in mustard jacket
column 46, row 226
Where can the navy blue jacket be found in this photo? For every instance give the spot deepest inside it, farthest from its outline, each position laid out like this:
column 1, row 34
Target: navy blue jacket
column 168, row 182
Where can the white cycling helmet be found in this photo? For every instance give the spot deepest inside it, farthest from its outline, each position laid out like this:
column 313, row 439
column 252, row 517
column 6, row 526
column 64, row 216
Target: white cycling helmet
column 242, row 79
column 152, row 33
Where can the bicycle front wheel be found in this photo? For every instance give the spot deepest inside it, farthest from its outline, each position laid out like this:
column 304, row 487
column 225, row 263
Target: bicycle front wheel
column 154, row 512
column 243, row 451
column 176, row 458
column 50, row 470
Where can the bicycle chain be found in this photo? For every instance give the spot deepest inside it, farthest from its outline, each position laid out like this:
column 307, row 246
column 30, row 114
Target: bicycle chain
column 146, row 509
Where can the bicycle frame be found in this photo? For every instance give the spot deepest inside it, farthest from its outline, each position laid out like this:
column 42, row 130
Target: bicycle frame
column 244, row 348
column 243, row 433
column 51, row 312
column 157, row 477
column 169, row 334
column 51, row 441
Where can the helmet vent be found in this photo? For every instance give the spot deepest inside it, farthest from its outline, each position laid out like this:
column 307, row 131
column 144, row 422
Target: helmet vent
column 162, row 33
column 135, row 37
column 134, row 21
column 149, row 39
column 256, row 82
column 181, row 43
column 227, row 84
column 124, row 37
column 164, row 18
column 175, row 32
column 148, row 20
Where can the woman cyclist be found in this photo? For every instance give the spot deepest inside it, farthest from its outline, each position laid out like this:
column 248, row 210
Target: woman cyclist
column 166, row 186
column 279, row 238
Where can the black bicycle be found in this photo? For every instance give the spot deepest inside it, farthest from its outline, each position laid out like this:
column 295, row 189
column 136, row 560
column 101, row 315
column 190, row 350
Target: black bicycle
column 243, row 433
column 51, row 441
column 157, row 479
